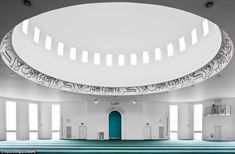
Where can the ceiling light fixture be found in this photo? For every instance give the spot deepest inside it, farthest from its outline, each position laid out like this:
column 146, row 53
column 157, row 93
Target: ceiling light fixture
column 134, row 102
column 96, row 101
column 27, row 3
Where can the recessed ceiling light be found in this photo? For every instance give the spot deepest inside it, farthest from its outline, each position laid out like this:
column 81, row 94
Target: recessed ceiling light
column 194, row 36
column 36, row 34
column 60, row 49
column 205, row 26
column 121, row 60
column 48, row 43
column 158, row 55
column 133, row 59
column 72, row 53
column 84, row 56
column 25, row 26
column 209, row 4
column 97, row 58
column 109, row 60
column 170, row 50
column 182, row 44
column 145, row 57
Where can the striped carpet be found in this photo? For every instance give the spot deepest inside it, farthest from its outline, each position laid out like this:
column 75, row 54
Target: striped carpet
column 84, row 146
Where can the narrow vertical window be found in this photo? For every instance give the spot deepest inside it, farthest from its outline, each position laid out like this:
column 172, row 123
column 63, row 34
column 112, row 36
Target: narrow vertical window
column 48, row 42
column 33, row 121
column 197, row 124
column 173, row 122
column 109, row 60
column 182, row 44
column 36, row 34
column 84, row 56
column 194, row 36
column 170, row 50
column 121, row 60
column 10, row 120
column 205, row 26
column 133, row 59
column 158, row 55
column 97, row 58
column 25, row 26
column 72, row 54
column 60, row 49
column 145, row 57
column 55, row 120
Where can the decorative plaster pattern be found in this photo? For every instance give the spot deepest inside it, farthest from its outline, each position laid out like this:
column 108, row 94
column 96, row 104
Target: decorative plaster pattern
column 13, row 61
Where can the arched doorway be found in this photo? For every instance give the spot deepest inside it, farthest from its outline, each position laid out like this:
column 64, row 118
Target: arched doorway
column 115, row 125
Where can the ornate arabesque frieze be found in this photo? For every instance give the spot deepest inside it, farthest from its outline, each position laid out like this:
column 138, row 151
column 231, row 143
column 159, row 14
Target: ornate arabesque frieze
column 13, row 61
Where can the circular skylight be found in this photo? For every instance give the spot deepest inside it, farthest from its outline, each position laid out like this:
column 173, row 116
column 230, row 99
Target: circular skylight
column 116, row 44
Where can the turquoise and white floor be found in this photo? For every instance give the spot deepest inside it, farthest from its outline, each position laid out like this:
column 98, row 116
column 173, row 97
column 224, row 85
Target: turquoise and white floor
column 79, row 146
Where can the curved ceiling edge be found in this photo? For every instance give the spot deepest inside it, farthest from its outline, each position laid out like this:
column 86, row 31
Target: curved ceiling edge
column 222, row 58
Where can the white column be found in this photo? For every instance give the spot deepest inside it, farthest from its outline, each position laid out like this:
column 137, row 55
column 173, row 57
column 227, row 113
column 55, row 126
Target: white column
column 185, row 121
column 2, row 120
column 22, row 122
column 44, row 130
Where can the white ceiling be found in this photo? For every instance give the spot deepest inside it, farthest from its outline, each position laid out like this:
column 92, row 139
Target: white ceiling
column 103, row 28
column 13, row 12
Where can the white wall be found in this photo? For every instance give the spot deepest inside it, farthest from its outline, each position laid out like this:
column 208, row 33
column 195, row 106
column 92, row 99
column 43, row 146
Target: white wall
column 22, row 121
column 156, row 114
column 95, row 117
column 44, row 118
column 134, row 119
column 2, row 119
column 227, row 123
column 185, row 121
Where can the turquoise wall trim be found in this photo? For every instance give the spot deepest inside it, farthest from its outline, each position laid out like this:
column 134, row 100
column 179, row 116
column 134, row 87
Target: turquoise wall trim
column 115, row 125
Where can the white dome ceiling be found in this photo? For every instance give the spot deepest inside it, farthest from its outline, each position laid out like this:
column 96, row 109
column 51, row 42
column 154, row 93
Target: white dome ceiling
column 114, row 29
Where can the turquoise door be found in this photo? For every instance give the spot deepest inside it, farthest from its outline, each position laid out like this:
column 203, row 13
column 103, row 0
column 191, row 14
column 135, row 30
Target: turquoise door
column 115, row 125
